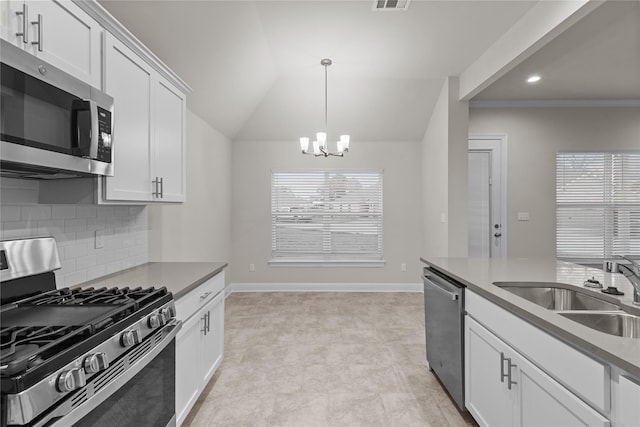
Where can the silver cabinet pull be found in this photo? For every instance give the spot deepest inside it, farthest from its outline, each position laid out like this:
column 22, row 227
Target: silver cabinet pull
column 208, row 321
column 502, row 374
column 39, row 24
column 204, row 326
column 510, row 382
column 156, row 192
column 205, row 295
column 25, row 14
column 161, row 188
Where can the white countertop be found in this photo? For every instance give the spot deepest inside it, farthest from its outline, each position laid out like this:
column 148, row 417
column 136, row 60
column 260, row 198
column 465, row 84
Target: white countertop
column 178, row 277
column 479, row 274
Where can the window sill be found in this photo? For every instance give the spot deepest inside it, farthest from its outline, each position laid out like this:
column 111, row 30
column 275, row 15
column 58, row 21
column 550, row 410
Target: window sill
column 323, row 263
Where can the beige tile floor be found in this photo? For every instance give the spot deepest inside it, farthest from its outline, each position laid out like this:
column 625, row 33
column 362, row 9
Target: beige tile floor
column 325, row 359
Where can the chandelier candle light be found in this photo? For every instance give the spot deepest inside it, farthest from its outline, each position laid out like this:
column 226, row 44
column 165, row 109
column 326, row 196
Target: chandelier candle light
column 320, row 143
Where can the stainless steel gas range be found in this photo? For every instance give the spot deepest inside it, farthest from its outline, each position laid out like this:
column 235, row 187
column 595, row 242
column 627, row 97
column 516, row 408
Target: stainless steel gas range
column 81, row 357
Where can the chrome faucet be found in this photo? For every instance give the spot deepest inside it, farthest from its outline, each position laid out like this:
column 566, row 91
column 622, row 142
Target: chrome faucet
column 633, row 275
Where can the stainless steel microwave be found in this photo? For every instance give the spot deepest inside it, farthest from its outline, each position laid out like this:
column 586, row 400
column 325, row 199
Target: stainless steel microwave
column 52, row 124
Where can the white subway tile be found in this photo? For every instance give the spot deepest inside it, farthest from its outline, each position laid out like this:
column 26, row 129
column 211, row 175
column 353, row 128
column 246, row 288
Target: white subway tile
column 36, row 212
column 113, row 244
column 113, row 267
column 63, row 211
column 94, row 224
column 75, row 225
column 17, row 230
column 86, row 211
column 121, row 211
column 18, row 196
column 10, row 213
column 85, row 262
column 96, row 271
column 105, row 211
column 75, row 251
column 75, row 278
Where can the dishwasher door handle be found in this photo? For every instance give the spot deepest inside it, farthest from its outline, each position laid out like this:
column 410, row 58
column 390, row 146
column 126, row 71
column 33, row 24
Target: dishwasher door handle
column 453, row 295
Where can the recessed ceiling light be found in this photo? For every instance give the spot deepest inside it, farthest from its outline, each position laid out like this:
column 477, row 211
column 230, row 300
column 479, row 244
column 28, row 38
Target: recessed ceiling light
column 534, row 78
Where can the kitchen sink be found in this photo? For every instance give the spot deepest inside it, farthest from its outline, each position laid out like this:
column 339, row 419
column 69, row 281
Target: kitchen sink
column 620, row 323
column 554, row 296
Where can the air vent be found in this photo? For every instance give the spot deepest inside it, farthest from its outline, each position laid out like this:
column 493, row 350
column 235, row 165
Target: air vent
column 391, row 4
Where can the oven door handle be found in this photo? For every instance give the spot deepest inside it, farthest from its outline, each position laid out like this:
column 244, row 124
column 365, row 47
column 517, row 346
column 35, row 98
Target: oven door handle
column 66, row 414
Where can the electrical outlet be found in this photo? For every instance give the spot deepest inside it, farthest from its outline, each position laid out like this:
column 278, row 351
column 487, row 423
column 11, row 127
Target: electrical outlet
column 403, row 267
column 252, row 267
column 523, row 216
column 99, row 240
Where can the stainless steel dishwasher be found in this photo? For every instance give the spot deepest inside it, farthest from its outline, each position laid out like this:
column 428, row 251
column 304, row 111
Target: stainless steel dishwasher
column 444, row 317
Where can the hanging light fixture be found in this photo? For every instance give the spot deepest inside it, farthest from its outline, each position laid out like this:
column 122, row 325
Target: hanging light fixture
column 320, row 143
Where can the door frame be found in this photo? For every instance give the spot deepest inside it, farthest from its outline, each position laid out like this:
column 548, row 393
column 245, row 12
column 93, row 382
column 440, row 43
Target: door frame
column 481, row 142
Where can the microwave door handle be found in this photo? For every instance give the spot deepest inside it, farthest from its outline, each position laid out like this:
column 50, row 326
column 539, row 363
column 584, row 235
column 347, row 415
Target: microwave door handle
column 94, row 135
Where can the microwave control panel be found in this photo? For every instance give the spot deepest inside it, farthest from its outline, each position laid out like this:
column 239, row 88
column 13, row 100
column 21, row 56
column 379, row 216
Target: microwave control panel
column 104, row 135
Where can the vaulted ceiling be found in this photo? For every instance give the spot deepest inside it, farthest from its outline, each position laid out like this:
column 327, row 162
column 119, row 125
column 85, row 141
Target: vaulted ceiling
column 254, row 66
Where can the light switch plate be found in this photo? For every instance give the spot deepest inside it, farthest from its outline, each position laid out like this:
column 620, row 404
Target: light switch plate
column 523, row 216
column 99, row 242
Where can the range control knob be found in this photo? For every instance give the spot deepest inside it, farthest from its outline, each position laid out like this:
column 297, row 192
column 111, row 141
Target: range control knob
column 154, row 321
column 70, row 380
column 96, row 362
column 169, row 312
column 129, row 338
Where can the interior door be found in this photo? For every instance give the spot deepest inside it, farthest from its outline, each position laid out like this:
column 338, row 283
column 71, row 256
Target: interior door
column 487, row 203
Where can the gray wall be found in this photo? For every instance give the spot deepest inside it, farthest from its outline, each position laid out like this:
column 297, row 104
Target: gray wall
column 444, row 176
column 251, row 208
column 534, row 135
column 200, row 228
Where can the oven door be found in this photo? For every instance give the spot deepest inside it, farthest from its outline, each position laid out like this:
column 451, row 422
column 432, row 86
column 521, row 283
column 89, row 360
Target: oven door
column 136, row 390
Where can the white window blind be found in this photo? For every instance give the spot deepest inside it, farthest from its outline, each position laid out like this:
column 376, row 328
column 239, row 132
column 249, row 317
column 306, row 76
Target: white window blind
column 597, row 204
column 326, row 216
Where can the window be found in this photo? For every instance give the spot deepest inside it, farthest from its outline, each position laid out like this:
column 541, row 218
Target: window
column 597, row 204
column 326, row 217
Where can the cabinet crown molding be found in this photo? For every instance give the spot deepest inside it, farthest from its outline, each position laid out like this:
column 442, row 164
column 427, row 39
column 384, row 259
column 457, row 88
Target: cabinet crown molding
column 113, row 26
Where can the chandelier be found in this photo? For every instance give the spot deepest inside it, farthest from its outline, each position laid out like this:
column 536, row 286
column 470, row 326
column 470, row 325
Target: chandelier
column 320, row 143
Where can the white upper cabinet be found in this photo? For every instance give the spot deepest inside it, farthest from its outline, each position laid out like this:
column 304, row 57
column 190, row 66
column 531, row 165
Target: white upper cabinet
column 129, row 80
column 169, row 134
column 57, row 31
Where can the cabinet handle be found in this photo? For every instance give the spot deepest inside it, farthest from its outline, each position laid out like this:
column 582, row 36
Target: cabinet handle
column 39, row 24
column 204, row 326
column 509, row 381
column 161, row 188
column 208, row 321
column 502, row 374
column 155, row 193
column 25, row 14
column 205, row 295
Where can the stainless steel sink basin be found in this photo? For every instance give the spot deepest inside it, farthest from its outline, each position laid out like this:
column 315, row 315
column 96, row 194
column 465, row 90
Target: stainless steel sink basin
column 555, row 297
column 620, row 324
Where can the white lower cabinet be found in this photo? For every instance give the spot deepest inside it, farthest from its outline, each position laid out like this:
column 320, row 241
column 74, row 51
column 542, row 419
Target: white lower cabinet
column 505, row 389
column 200, row 342
column 628, row 402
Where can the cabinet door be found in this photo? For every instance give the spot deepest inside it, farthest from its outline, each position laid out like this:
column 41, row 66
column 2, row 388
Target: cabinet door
column 487, row 397
column 66, row 37
column 169, row 153
column 13, row 22
column 542, row 401
column 129, row 81
column 213, row 340
column 188, row 380
column 628, row 407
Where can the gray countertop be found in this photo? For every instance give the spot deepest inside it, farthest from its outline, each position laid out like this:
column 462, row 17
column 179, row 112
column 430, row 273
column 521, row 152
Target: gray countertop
column 478, row 274
column 178, row 277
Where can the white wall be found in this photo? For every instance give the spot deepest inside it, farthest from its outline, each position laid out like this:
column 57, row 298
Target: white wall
column 534, row 135
column 74, row 226
column 198, row 229
column 444, row 176
column 251, row 207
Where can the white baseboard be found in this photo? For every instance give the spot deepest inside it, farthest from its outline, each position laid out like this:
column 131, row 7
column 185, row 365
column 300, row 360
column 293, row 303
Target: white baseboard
column 324, row 287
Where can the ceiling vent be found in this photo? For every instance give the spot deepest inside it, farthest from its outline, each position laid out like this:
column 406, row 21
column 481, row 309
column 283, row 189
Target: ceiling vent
column 391, row 4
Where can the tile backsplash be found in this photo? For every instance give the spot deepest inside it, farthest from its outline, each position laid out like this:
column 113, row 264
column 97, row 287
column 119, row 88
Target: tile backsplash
column 125, row 229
